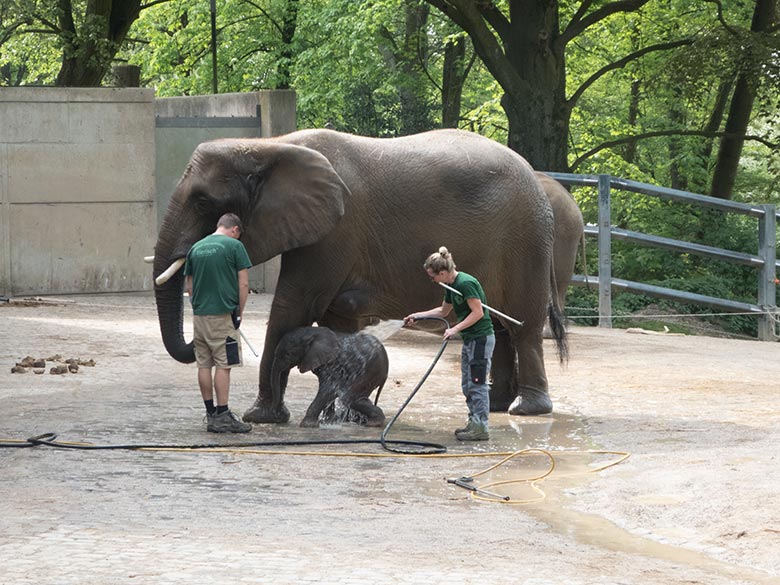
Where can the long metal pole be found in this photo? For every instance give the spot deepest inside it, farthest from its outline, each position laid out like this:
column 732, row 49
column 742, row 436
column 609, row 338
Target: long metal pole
column 241, row 333
column 491, row 309
column 605, row 252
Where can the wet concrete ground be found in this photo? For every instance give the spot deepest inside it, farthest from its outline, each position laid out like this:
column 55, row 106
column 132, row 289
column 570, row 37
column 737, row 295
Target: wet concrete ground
column 220, row 517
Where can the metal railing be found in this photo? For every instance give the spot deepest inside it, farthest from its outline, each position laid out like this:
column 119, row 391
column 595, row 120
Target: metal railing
column 765, row 261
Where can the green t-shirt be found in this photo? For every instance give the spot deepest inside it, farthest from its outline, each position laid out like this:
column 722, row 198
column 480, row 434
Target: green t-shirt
column 469, row 288
column 213, row 263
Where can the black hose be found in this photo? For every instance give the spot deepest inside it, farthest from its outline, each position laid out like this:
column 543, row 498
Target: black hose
column 50, row 440
column 433, row 447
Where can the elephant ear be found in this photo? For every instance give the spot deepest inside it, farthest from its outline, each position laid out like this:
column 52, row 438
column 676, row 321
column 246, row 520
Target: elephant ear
column 298, row 199
column 323, row 348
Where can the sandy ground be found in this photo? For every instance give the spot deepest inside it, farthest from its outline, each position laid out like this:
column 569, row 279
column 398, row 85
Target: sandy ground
column 696, row 501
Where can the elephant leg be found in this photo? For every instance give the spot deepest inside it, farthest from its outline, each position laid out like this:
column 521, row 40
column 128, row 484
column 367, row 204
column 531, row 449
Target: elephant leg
column 325, row 396
column 289, row 310
column 348, row 312
column 502, row 388
column 531, row 383
column 262, row 412
column 375, row 416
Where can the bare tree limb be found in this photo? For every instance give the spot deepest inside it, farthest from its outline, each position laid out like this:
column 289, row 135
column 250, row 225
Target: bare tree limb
column 10, row 30
column 495, row 18
column 66, row 17
column 628, row 139
column 577, row 27
column 152, row 3
column 620, row 63
column 722, row 20
column 584, row 6
column 277, row 25
column 466, row 14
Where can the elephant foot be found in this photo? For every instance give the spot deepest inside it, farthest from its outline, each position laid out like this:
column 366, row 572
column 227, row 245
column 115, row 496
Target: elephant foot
column 264, row 413
column 310, row 423
column 533, row 403
column 376, row 421
column 368, row 414
column 500, row 404
column 500, row 397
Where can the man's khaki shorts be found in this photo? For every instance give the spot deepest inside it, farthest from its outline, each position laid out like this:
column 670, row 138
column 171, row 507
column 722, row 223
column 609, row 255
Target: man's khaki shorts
column 217, row 342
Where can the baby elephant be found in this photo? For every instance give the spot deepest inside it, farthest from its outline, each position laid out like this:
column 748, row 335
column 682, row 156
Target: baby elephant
column 348, row 366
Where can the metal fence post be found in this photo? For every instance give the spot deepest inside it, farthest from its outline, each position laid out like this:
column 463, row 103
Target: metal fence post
column 605, row 253
column 767, row 236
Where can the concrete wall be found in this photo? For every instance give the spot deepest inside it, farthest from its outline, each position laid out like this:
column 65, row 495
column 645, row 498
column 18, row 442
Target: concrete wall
column 77, row 190
column 80, row 182
column 176, row 142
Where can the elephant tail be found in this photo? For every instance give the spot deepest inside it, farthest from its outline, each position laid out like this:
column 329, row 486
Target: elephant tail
column 378, row 392
column 557, row 319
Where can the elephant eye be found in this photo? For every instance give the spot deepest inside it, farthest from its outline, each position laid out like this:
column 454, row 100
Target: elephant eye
column 253, row 185
column 202, row 201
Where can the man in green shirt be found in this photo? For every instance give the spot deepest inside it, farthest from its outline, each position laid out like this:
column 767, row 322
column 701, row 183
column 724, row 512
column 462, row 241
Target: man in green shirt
column 217, row 280
column 476, row 330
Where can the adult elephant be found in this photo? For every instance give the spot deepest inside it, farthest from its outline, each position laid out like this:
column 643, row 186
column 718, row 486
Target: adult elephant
column 354, row 218
column 569, row 233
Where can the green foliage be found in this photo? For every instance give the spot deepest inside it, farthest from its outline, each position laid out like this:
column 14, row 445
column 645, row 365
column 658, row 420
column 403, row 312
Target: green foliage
column 27, row 56
column 355, row 68
column 669, row 269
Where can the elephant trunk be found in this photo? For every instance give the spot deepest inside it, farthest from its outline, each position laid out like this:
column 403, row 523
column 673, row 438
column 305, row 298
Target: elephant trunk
column 170, row 313
column 169, row 295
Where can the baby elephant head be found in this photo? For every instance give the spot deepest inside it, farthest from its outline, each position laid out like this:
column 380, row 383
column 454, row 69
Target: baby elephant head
column 305, row 347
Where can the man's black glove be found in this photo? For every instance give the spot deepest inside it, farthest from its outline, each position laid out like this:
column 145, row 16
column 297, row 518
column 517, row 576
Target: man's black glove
column 236, row 318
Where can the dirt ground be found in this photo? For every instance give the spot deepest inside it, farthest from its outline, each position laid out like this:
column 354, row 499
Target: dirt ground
column 697, row 501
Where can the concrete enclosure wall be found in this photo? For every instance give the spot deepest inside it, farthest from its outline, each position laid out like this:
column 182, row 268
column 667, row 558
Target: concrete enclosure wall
column 82, row 189
column 77, row 193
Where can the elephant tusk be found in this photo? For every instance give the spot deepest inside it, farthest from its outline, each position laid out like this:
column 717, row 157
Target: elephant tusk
column 148, row 259
column 172, row 269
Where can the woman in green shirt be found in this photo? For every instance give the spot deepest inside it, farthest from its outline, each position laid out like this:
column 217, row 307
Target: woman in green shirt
column 476, row 329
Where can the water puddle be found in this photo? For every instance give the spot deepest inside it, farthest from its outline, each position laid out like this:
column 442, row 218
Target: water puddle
column 576, row 459
column 596, row 531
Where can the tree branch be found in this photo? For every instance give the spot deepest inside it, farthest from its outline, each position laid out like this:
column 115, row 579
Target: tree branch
column 722, row 20
column 451, row 11
column 620, row 63
column 9, row 31
column 268, row 16
column 584, row 5
column 656, row 134
column 495, row 18
column 577, row 27
column 465, row 14
column 66, row 17
column 152, row 3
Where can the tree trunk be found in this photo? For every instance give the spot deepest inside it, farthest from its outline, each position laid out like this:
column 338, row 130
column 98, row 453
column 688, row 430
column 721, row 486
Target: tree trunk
column 536, row 108
column 289, row 26
column 453, row 77
column 630, row 149
column 678, row 178
column 415, row 108
column 741, row 108
column 87, row 58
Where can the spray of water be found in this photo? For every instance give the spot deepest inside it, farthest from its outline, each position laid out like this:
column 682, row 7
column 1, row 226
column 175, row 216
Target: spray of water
column 384, row 329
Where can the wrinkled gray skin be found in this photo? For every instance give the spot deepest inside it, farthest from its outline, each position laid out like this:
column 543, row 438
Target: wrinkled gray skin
column 349, row 367
column 354, row 219
column 569, row 234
